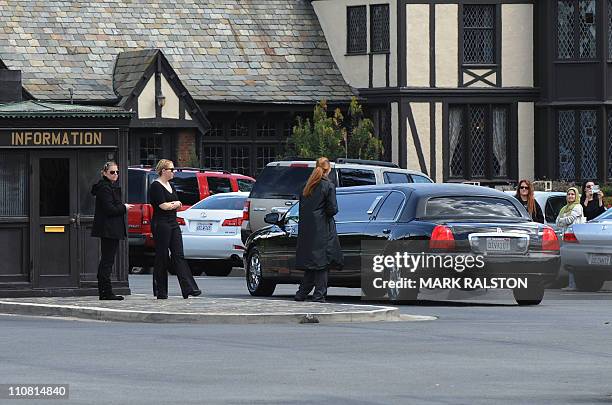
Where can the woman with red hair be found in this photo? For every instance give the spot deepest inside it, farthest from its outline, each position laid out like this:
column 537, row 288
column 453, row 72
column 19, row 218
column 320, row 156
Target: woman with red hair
column 318, row 247
column 524, row 193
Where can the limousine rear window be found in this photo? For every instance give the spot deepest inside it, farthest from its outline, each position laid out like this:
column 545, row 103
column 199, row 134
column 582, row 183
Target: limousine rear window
column 284, row 182
column 470, row 206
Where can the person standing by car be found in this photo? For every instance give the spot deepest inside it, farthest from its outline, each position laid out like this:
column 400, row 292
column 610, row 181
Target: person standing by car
column 167, row 235
column 592, row 200
column 570, row 214
column 109, row 224
column 524, row 193
column 318, row 246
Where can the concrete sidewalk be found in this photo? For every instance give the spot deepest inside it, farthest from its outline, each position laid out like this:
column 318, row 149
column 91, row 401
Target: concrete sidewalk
column 200, row 310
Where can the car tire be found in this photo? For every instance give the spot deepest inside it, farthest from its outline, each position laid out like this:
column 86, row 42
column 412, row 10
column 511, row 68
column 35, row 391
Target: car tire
column 589, row 281
column 256, row 284
column 218, row 269
column 400, row 295
column 532, row 295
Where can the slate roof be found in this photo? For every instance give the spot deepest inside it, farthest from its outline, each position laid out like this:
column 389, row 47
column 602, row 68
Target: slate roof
column 129, row 69
column 234, row 50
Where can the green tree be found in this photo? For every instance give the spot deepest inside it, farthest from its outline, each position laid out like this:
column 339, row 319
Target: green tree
column 329, row 136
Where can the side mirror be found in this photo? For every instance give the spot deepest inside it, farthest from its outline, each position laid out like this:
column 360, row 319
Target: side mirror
column 272, row 218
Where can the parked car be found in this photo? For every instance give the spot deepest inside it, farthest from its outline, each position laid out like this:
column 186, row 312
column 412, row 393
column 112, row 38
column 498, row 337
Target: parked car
column 279, row 185
column 587, row 252
column 211, row 234
column 551, row 203
column 464, row 219
column 192, row 185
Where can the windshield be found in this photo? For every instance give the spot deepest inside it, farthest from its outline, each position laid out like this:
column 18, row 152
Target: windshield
column 221, row 202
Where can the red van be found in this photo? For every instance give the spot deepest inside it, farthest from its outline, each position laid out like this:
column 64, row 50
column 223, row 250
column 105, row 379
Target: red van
column 192, row 185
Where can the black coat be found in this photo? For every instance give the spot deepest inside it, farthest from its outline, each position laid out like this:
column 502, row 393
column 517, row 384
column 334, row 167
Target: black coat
column 537, row 216
column 318, row 246
column 109, row 217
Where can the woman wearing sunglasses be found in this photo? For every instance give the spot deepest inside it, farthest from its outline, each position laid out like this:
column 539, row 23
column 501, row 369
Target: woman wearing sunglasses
column 524, row 194
column 109, row 225
column 167, row 235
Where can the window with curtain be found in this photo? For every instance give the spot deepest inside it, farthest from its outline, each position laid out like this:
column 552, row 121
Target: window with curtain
column 479, row 34
column 478, row 141
column 577, row 29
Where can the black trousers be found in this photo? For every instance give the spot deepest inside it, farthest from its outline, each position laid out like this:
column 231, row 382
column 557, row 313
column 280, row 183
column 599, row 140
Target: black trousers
column 105, row 268
column 316, row 279
column 167, row 236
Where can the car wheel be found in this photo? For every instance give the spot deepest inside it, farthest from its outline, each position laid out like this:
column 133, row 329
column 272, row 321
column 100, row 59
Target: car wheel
column 589, row 281
column 397, row 294
column 256, row 284
column 532, row 295
column 218, row 269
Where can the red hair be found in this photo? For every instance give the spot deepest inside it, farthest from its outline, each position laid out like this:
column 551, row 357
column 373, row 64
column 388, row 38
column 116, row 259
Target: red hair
column 530, row 198
column 322, row 167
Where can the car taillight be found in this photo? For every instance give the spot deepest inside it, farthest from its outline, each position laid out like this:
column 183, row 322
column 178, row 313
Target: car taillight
column 181, row 221
column 232, row 222
column 442, row 238
column 550, row 241
column 145, row 215
column 245, row 210
column 570, row 237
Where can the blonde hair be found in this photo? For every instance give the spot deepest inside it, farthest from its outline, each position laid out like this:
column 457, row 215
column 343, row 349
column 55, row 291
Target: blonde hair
column 107, row 166
column 317, row 174
column 161, row 165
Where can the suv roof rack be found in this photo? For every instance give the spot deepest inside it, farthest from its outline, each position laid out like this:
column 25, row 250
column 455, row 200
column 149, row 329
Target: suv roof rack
column 198, row 169
column 367, row 162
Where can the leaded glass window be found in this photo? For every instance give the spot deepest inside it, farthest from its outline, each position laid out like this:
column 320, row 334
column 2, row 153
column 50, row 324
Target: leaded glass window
column 216, row 129
column 239, row 159
column 379, row 27
column 265, row 129
column 265, row 155
column 609, row 29
column 151, row 149
column 213, row 157
column 578, row 132
column 357, row 31
column 478, row 141
column 576, row 29
column 239, row 129
column 479, row 34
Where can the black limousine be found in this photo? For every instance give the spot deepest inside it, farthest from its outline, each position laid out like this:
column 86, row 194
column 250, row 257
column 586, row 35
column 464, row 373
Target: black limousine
column 442, row 219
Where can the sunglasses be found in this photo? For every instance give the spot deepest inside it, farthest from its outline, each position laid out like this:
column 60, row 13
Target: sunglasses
column 113, row 171
column 589, row 186
column 524, row 188
column 172, row 169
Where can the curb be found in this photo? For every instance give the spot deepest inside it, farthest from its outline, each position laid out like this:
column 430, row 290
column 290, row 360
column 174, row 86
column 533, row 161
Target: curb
column 375, row 314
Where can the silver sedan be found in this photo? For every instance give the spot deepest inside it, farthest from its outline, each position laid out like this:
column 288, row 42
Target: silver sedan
column 587, row 252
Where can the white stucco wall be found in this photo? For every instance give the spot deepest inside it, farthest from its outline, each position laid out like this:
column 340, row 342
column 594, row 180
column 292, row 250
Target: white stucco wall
column 417, row 45
column 146, row 100
column 395, row 133
column 171, row 106
column 420, row 112
column 526, row 130
column 439, row 139
column 447, row 45
column 517, row 45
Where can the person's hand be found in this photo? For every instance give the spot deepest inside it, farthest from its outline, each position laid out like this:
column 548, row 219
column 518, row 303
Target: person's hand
column 128, row 206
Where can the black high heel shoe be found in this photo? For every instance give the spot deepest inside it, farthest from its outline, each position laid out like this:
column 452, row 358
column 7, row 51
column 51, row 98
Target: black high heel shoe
column 193, row 294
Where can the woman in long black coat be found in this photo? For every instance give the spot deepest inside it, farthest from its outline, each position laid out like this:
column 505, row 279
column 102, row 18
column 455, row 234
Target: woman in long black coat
column 318, row 247
column 109, row 225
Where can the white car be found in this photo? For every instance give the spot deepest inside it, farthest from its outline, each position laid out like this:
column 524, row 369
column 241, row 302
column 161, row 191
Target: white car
column 211, row 233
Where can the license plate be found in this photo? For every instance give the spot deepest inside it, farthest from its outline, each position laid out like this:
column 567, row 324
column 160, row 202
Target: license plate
column 204, row 227
column 498, row 245
column 600, row 260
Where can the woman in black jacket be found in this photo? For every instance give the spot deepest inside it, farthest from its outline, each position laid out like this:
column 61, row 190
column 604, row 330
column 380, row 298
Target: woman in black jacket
column 167, row 235
column 524, row 193
column 109, row 225
column 592, row 203
column 318, row 246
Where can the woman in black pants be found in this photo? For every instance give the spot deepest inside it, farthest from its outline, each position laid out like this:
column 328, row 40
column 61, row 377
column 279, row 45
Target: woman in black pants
column 167, row 235
column 109, row 225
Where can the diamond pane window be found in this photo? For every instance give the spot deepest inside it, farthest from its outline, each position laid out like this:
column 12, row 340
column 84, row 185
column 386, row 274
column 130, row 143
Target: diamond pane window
column 479, row 34
column 379, row 26
column 609, row 144
column 456, row 141
column 565, row 29
column 609, row 29
column 239, row 159
column 588, row 32
column 357, row 34
column 213, row 157
column 588, row 143
column 567, row 147
column 477, row 133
